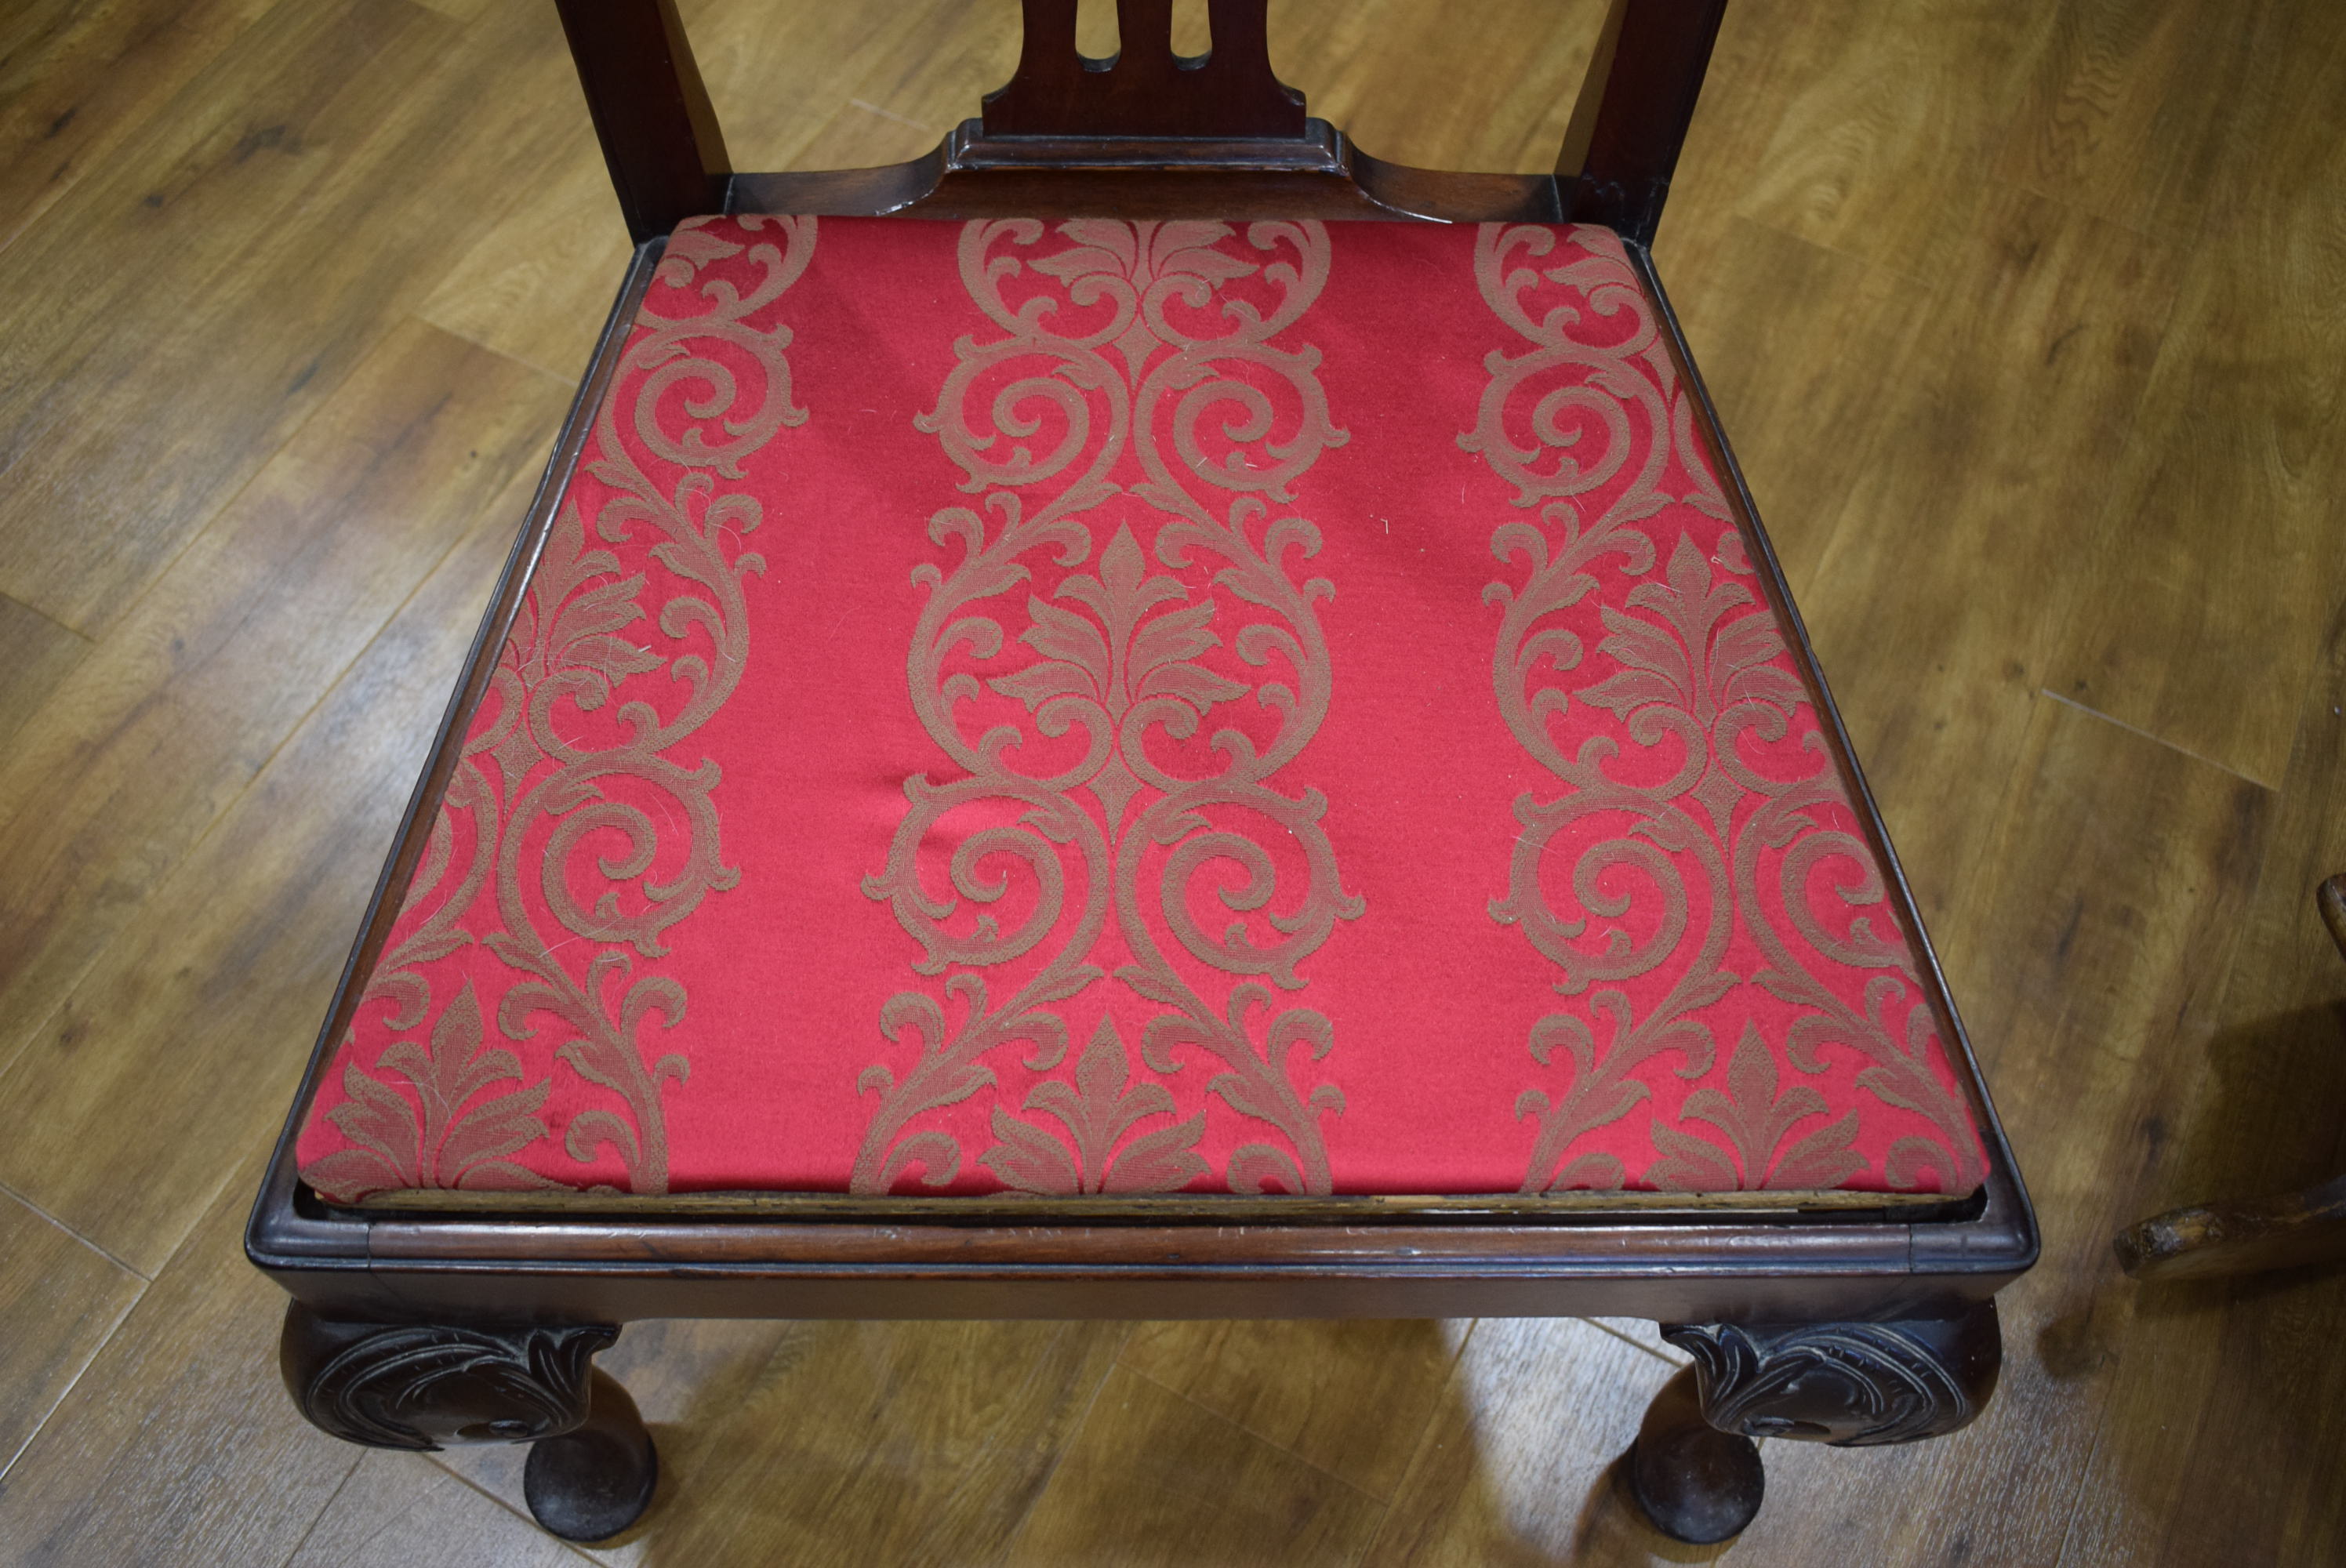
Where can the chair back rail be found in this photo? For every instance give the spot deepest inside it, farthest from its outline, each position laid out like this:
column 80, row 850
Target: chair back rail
column 1147, row 132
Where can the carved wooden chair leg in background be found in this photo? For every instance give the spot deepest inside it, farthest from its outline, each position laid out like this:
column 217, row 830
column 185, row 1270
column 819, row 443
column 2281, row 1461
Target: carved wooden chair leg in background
column 1177, row 366
column 2248, row 1236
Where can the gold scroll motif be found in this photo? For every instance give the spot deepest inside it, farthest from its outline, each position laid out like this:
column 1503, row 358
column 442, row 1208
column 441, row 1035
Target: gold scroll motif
column 557, row 811
column 1701, row 663
column 1153, row 345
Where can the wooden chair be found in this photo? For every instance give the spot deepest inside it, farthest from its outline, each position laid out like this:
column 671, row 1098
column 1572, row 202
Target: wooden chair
column 2248, row 1236
column 455, row 1262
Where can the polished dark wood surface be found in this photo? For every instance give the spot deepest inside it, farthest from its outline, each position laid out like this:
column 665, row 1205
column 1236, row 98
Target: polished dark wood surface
column 659, row 135
column 592, row 1467
column 1149, row 129
column 1145, row 89
column 1632, row 118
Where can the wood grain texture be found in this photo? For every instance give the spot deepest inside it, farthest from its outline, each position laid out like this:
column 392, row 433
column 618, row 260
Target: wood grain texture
column 2026, row 317
column 169, row 720
column 171, row 1047
column 36, row 653
column 1349, row 1397
column 1154, row 1479
column 1409, row 84
column 2242, row 430
column 248, row 246
column 177, row 1444
column 1857, row 125
column 2128, row 107
column 1507, row 1477
column 76, row 78
column 59, row 1300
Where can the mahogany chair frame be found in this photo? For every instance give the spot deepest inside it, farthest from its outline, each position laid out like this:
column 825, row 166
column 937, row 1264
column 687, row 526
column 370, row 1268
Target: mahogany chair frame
column 1848, row 1317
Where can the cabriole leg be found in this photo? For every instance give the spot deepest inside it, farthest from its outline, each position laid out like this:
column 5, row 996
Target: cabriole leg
column 1694, row 1468
column 592, row 1467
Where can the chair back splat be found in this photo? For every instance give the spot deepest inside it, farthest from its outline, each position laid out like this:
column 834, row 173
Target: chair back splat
column 1146, row 133
column 1146, row 90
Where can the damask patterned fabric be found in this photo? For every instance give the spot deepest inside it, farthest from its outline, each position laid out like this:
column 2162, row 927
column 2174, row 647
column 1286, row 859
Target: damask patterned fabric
column 1106, row 707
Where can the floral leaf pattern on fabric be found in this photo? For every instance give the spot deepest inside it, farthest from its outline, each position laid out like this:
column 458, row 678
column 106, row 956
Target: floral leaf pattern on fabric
column 1711, row 777
column 449, row 1137
column 1756, row 1119
column 1018, row 874
column 1138, row 388
column 1096, row 1110
column 578, row 829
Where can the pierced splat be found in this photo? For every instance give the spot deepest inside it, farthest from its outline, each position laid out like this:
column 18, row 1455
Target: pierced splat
column 1146, row 90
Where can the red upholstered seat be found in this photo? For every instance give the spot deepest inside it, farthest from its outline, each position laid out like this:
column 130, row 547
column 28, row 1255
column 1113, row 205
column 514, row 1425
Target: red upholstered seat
column 1097, row 706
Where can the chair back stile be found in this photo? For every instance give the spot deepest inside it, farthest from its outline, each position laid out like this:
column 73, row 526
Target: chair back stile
column 1622, row 144
column 652, row 115
column 1148, row 131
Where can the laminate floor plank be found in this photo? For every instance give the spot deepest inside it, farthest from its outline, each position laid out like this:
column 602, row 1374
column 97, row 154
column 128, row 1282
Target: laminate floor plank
column 845, row 1443
column 36, row 653
column 233, row 263
column 76, row 78
column 170, row 718
column 1411, row 86
column 59, row 1299
column 1350, row 1397
column 179, row 1445
column 1946, row 583
column 1155, row 1479
column 182, row 1038
column 2241, row 1380
column 2218, row 562
column 2129, row 105
column 1855, row 125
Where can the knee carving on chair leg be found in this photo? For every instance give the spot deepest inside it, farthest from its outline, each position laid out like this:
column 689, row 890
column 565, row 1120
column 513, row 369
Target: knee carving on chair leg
column 420, row 1386
column 1851, row 1384
column 1695, row 1469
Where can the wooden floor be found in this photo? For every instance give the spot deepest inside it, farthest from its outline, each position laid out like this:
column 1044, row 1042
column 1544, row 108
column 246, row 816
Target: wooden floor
column 2029, row 319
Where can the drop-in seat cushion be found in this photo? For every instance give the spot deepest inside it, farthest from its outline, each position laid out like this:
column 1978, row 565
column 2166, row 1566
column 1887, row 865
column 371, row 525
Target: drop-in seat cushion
column 1096, row 707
